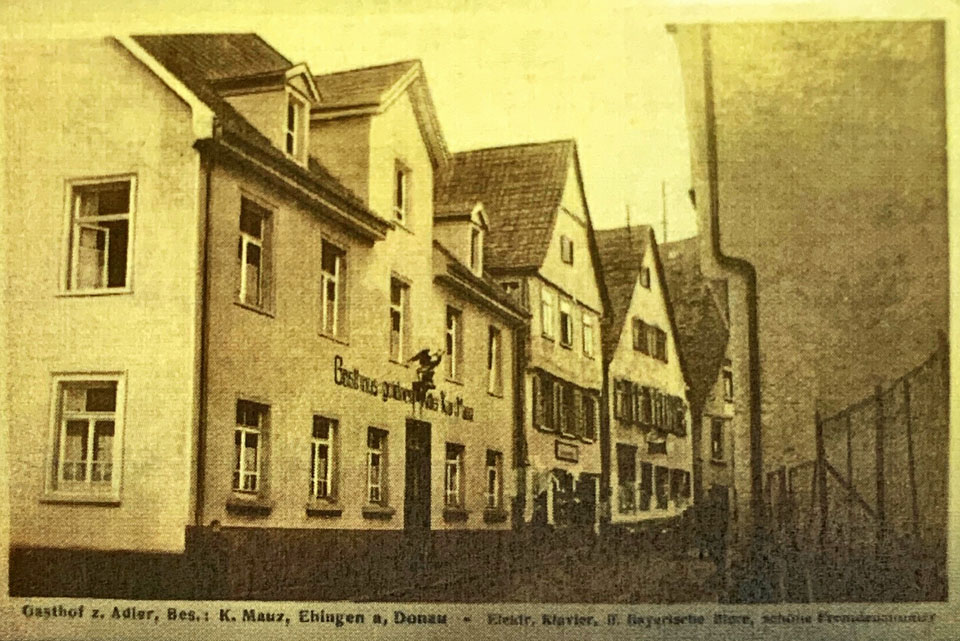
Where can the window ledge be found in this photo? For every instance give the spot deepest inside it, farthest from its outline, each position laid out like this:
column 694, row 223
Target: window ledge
column 254, row 308
column 548, row 337
column 455, row 381
column 718, row 461
column 104, row 291
column 495, row 394
column 335, row 339
column 495, row 515
column 546, row 430
column 566, row 345
column 455, row 514
column 252, row 506
column 378, row 512
column 104, row 500
column 326, row 509
column 401, row 224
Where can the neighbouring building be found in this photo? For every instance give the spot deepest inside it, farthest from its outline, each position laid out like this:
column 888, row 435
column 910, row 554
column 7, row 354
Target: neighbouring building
column 700, row 309
column 645, row 432
column 540, row 247
column 229, row 311
column 818, row 160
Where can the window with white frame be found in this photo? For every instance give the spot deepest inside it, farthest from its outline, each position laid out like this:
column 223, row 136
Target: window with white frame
column 399, row 295
column 566, row 324
column 588, row 337
column 454, row 343
column 253, row 254
column 100, row 234
column 332, row 290
column 321, row 457
column 546, row 312
column 294, row 130
column 87, row 449
column 248, row 446
column 401, row 192
column 727, row 382
column 494, row 361
column 494, row 491
column 453, row 476
column 376, row 466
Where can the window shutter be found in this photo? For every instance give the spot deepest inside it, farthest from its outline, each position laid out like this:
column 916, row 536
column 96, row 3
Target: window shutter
column 537, row 402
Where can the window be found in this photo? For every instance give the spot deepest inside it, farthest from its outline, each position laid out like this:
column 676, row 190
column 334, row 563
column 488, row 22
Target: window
column 475, row 249
column 588, row 339
column 248, row 446
column 646, row 406
column 645, row 277
column 321, row 457
column 454, row 347
column 566, row 250
column 399, row 295
column 727, row 383
column 657, row 447
column 87, row 452
column 716, row 439
column 100, row 235
column 494, row 361
column 494, row 479
column 294, row 130
column 589, row 415
column 627, row 478
column 651, row 340
column 401, row 192
column 546, row 312
column 661, row 482
column 640, row 336
column 376, row 466
column 566, row 324
column 660, row 351
column 568, row 409
column 253, row 254
column 453, row 476
column 543, row 402
column 646, row 486
column 510, row 286
column 332, row 286
column 623, row 399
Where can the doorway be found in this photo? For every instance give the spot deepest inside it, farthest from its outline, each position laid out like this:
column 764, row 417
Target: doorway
column 416, row 494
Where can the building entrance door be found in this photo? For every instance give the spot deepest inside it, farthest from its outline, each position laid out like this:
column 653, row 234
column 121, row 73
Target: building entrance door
column 416, row 496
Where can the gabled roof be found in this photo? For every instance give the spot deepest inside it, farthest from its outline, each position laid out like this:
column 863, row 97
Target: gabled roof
column 622, row 251
column 366, row 86
column 520, row 186
column 200, row 60
column 371, row 90
column 702, row 328
column 484, row 290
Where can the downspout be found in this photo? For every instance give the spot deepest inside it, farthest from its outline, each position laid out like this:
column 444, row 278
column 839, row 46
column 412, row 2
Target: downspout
column 204, row 345
column 749, row 274
column 606, row 491
column 520, row 461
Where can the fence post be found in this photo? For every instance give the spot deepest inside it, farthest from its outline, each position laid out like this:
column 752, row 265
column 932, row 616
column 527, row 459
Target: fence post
column 821, row 472
column 881, row 510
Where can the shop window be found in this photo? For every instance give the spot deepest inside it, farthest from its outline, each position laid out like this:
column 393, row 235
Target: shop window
column 100, row 235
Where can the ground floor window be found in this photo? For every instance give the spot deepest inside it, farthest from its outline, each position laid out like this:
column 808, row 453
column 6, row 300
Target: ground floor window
column 494, row 479
column 248, row 446
column 321, row 457
column 86, row 454
column 646, row 486
column 453, row 476
column 627, row 478
column 376, row 465
column 661, row 482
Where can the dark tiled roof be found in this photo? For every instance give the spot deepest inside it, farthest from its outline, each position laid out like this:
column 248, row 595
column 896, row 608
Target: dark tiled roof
column 486, row 284
column 520, row 187
column 193, row 58
column 702, row 330
column 364, row 86
column 621, row 254
column 218, row 55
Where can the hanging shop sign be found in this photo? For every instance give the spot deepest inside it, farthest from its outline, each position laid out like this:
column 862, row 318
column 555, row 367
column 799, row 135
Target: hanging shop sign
column 352, row 378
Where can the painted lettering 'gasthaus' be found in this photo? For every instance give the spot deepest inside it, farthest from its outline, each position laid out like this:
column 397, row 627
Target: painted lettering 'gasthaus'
column 540, row 248
column 232, row 308
column 646, row 435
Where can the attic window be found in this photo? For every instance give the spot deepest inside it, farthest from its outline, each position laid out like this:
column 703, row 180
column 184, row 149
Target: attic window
column 294, row 129
column 401, row 192
column 475, row 249
column 645, row 277
column 566, row 250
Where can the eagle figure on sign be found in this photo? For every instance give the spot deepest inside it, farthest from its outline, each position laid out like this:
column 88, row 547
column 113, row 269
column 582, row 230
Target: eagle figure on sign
column 426, row 363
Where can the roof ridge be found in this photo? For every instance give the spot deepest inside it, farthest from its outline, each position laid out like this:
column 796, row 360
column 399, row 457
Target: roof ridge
column 367, row 68
column 542, row 143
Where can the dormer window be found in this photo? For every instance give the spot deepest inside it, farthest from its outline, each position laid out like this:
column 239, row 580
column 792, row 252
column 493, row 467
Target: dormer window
column 401, row 192
column 294, row 130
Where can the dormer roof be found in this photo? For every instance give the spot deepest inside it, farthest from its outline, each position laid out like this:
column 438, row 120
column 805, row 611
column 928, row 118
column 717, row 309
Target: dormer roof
column 474, row 212
column 371, row 91
column 204, row 61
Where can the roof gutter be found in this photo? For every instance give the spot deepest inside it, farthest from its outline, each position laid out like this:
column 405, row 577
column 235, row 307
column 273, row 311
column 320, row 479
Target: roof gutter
column 203, row 116
column 746, row 270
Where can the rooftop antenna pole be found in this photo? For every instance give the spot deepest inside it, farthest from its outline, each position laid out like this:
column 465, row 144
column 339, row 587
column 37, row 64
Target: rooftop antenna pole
column 626, row 206
column 663, row 201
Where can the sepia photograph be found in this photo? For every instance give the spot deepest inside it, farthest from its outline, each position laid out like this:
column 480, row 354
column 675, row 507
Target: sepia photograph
column 612, row 319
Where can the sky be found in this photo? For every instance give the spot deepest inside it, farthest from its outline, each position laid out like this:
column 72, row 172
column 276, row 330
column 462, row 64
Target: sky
column 499, row 73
